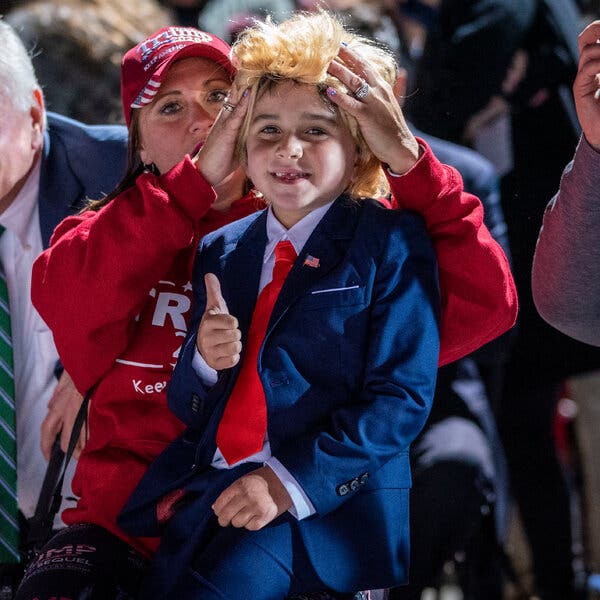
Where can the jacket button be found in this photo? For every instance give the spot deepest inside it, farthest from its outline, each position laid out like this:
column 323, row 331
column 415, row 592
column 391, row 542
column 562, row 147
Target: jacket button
column 342, row 490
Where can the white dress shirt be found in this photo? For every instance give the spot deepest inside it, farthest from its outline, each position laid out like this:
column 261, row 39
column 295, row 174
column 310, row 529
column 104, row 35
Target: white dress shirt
column 297, row 235
column 34, row 352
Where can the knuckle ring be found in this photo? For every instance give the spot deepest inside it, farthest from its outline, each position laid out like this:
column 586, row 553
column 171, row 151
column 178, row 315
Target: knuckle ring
column 229, row 107
column 363, row 91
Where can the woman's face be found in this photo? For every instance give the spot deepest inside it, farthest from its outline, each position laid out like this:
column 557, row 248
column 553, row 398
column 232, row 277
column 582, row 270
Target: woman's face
column 183, row 111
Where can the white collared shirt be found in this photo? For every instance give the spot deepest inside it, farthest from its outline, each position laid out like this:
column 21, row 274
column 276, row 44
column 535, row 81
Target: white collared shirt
column 298, row 235
column 34, row 352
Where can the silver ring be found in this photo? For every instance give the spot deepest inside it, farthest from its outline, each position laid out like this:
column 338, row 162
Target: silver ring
column 363, row 91
column 229, row 107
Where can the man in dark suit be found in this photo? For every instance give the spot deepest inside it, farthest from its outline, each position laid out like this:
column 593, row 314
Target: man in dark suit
column 49, row 165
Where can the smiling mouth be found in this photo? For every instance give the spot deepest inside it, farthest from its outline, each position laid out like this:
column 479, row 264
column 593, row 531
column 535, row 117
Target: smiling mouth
column 289, row 176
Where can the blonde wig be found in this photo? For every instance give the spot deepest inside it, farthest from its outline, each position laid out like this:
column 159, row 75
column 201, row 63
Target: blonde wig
column 300, row 49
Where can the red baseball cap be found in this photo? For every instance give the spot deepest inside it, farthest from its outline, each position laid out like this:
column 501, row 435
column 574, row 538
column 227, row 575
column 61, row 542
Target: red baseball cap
column 144, row 67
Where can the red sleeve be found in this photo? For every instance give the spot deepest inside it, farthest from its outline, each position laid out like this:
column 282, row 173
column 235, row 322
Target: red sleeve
column 92, row 282
column 479, row 298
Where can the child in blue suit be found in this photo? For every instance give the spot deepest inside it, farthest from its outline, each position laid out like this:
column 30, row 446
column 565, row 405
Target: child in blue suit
column 346, row 369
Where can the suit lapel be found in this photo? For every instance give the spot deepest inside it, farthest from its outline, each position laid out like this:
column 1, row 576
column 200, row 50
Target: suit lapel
column 60, row 190
column 241, row 270
column 328, row 243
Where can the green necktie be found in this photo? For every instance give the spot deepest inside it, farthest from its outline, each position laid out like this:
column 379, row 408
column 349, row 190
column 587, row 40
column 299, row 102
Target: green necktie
column 9, row 528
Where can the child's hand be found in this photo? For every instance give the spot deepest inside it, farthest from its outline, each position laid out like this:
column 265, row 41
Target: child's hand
column 216, row 159
column 379, row 115
column 252, row 501
column 218, row 338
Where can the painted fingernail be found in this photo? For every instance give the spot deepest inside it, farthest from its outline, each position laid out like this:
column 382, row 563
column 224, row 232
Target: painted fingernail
column 246, row 91
column 331, row 92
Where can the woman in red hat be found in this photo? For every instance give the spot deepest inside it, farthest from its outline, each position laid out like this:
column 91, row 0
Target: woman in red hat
column 119, row 323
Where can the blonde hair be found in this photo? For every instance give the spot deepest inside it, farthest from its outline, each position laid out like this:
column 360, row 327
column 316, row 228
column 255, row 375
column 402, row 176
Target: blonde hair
column 300, row 49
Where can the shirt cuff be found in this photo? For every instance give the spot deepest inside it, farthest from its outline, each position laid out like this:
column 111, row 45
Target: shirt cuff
column 207, row 374
column 302, row 506
column 390, row 172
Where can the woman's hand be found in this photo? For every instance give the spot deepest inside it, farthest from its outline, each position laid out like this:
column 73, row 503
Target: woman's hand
column 216, row 159
column 379, row 115
column 62, row 412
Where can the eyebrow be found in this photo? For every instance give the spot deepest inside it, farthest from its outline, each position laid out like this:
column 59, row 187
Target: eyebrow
column 177, row 92
column 305, row 116
column 218, row 80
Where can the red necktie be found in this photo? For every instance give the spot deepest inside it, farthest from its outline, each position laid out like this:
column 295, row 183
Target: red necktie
column 243, row 425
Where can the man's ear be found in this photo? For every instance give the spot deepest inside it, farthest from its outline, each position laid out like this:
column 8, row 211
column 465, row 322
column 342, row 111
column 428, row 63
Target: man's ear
column 399, row 87
column 37, row 113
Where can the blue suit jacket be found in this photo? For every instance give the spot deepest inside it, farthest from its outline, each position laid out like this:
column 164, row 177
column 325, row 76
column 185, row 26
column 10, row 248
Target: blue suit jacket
column 78, row 161
column 348, row 365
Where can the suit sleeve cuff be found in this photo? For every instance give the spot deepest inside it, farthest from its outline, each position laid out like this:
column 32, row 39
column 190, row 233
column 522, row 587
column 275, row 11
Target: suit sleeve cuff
column 207, row 374
column 187, row 186
column 426, row 181
column 302, row 506
column 422, row 150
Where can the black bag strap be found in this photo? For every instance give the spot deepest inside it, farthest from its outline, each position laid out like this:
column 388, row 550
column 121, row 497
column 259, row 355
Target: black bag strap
column 50, row 498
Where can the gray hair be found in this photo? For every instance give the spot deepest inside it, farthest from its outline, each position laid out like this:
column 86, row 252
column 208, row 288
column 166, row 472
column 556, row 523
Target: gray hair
column 17, row 77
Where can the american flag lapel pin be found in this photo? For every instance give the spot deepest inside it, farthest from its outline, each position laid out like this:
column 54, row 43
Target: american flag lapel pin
column 311, row 261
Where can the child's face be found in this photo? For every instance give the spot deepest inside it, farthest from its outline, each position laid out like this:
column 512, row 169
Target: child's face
column 300, row 154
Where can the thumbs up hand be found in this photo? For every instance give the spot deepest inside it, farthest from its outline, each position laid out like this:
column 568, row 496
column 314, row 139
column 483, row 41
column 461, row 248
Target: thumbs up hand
column 218, row 338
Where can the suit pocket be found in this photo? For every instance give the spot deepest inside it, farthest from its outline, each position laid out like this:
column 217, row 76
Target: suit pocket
column 332, row 297
column 335, row 290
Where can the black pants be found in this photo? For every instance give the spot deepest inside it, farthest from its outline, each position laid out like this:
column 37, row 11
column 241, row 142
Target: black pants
column 84, row 562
